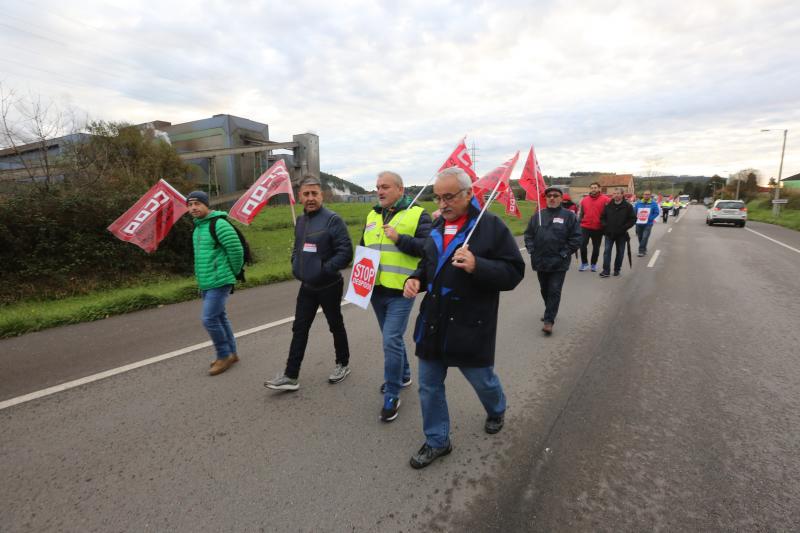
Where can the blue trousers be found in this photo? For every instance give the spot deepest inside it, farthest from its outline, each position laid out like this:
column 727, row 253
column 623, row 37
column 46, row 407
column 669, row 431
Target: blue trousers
column 392, row 313
column 643, row 234
column 432, row 399
column 216, row 320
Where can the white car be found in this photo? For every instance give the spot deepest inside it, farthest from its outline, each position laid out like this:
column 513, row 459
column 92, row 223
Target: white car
column 728, row 212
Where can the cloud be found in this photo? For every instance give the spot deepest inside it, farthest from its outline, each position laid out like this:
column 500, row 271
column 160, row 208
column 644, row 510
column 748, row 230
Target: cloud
column 595, row 86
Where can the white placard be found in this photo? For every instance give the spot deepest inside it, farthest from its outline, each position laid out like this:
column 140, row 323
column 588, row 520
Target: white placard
column 363, row 276
column 643, row 215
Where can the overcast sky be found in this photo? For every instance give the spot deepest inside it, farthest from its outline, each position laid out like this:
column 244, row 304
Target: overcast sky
column 625, row 87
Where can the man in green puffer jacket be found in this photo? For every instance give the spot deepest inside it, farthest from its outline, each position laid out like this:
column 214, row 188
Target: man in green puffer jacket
column 215, row 267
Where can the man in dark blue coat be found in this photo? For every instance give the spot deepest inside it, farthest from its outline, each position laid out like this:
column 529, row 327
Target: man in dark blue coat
column 457, row 322
column 551, row 244
column 322, row 247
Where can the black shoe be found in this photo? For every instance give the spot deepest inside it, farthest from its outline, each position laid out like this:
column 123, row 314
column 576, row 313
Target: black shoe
column 406, row 383
column 640, row 254
column 604, row 274
column 426, row 455
column 542, row 319
column 494, row 424
column 390, row 408
column 616, row 272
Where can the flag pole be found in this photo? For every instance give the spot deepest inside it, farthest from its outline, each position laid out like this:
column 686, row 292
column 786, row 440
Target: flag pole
column 294, row 215
column 399, row 219
column 480, row 215
column 538, row 193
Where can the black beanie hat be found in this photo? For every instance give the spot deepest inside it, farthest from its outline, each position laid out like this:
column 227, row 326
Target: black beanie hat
column 200, row 196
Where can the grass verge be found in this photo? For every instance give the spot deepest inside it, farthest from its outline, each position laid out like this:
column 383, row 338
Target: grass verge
column 761, row 211
column 270, row 237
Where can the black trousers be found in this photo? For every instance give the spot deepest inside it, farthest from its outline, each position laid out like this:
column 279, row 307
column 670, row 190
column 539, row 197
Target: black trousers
column 550, row 283
column 620, row 242
column 597, row 237
column 308, row 301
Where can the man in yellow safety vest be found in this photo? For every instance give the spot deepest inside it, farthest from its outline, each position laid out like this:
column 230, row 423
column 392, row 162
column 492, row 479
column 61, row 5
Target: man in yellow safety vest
column 398, row 230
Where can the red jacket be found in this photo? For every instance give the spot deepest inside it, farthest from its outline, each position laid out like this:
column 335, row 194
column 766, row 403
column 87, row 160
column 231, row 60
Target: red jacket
column 592, row 208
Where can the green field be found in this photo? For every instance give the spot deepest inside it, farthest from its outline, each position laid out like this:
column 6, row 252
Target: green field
column 761, row 211
column 270, row 237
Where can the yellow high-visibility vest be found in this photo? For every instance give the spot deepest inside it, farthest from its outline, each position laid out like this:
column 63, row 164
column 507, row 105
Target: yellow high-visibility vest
column 395, row 266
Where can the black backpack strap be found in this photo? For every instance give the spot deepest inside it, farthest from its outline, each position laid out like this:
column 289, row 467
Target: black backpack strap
column 212, row 228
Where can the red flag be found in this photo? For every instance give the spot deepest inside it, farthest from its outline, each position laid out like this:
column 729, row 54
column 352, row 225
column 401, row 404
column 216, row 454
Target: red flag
column 274, row 181
column 659, row 198
column 498, row 177
column 533, row 181
column 150, row 219
column 460, row 158
column 510, row 201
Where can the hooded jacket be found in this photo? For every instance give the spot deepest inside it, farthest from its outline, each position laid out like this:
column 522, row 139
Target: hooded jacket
column 591, row 209
column 552, row 243
column 617, row 219
column 322, row 247
column 215, row 266
column 457, row 321
column 654, row 211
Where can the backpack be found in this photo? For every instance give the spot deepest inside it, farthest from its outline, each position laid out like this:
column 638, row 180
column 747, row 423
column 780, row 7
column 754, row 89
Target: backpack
column 248, row 256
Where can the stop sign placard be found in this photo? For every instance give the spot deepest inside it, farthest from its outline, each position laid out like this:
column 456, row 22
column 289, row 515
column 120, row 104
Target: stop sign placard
column 363, row 277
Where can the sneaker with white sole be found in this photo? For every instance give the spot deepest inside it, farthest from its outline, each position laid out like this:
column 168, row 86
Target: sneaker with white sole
column 339, row 373
column 406, row 383
column 390, row 408
column 584, row 267
column 282, row 382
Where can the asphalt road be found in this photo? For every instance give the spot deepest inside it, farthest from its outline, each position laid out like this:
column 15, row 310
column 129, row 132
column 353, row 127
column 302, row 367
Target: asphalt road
column 666, row 400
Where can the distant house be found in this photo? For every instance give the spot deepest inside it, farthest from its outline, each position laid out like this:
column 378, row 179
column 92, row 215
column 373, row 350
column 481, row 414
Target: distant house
column 580, row 185
column 792, row 182
column 37, row 161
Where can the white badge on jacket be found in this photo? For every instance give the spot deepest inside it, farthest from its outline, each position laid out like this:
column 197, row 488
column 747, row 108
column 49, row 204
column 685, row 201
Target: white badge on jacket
column 310, row 247
column 558, row 220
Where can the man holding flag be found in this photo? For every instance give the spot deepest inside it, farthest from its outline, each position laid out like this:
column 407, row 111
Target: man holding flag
column 398, row 230
column 551, row 238
column 216, row 263
column 457, row 323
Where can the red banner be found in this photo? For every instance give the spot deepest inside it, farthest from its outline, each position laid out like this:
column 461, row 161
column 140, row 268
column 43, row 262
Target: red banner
column 274, row 181
column 460, row 158
column 510, row 201
column 150, row 219
column 498, row 177
column 533, row 181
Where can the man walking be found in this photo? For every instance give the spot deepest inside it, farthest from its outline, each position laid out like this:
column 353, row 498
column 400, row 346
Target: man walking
column 551, row 243
column 666, row 207
column 591, row 207
column 322, row 247
column 457, row 322
column 646, row 213
column 398, row 230
column 216, row 263
column 617, row 218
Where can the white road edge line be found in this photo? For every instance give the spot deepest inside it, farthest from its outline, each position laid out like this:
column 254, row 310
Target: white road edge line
column 11, row 402
column 653, row 259
column 138, row 364
column 773, row 240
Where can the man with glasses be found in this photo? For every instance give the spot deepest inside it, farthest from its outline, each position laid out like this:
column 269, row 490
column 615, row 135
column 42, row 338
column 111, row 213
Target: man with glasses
column 398, row 230
column 551, row 240
column 457, row 322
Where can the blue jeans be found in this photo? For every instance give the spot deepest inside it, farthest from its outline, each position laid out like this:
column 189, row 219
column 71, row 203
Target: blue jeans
column 216, row 320
column 392, row 313
column 432, row 399
column 643, row 234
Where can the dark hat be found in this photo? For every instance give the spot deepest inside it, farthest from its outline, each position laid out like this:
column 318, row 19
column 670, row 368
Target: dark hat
column 551, row 188
column 200, row 196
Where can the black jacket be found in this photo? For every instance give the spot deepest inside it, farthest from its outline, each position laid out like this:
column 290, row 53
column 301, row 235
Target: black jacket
column 457, row 321
column 552, row 244
column 618, row 218
column 322, row 247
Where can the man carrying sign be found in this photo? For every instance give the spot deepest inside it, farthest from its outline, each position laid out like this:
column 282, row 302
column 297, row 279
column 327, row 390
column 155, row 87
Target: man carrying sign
column 457, row 322
column 646, row 212
column 216, row 263
column 398, row 231
column 322, row 247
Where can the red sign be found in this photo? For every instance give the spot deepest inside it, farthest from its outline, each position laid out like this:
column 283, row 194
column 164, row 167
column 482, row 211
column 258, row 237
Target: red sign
column 150, row 219
column 274, row 181
column 363, row 277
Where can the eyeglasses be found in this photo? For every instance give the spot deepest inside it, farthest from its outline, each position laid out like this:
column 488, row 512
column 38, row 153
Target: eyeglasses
column 447, row 198
column 553, row 196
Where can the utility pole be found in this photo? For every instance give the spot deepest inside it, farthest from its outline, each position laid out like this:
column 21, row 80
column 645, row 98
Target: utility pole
column 474, row 156
column 776, row 207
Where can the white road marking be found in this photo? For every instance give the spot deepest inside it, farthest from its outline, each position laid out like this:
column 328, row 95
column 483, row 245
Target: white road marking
column 773, row 240
column 653, row 259
column 139, row 364
column 669, row 230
